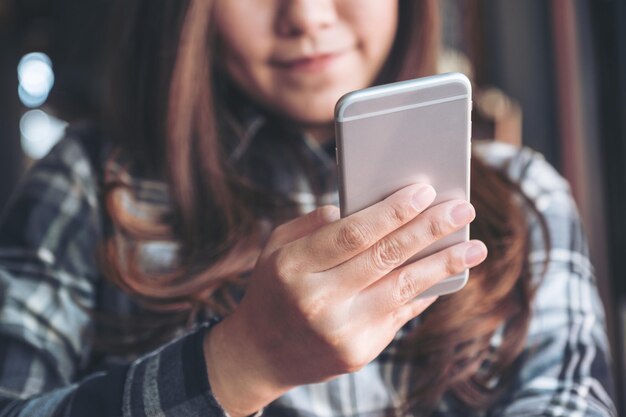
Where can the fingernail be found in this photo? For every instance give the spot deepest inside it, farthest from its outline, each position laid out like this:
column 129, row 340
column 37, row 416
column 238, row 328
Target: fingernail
column 329, row 214
column 462, row 214
column 423, row 197
column 475, row 254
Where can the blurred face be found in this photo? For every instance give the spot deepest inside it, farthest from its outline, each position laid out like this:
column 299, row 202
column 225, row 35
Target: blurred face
column 297, row 57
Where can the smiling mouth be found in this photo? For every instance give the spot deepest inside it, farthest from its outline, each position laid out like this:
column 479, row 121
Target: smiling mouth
column 311, row 63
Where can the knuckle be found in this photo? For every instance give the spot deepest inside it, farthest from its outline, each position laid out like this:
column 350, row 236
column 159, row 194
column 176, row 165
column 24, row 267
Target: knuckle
column 348, row 361
column 352, row 237
column 347, row 356
column 387, row 254
column 435, row 229
column 397, row 214
column 406, row 288
column 284, row 267
column 453, row 264
column 352, row 367
column 313, row 307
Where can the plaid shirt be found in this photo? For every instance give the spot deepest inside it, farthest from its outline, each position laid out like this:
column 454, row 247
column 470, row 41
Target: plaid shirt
column 48, row 275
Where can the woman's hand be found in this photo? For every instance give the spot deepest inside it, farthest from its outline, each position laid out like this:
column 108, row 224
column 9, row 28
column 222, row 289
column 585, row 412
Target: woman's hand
column 328, row 295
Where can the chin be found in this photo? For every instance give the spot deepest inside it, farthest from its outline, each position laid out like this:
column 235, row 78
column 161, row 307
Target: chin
column 310, row 118
column 311, row 110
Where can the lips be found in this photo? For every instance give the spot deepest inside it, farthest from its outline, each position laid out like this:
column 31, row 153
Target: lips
column 312, row 53
column 311, row 62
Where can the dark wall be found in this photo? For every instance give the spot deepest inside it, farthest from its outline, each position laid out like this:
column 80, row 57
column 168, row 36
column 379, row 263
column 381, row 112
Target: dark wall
column 72, row 33
column 517, row 56
column 10, row 152
column 608, row 20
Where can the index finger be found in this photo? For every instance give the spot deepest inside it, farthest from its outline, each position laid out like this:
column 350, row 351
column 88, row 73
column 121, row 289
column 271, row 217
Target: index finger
column 338, row 242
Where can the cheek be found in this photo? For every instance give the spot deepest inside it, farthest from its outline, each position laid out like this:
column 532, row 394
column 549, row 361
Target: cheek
column 375, row 22
column 244, row 34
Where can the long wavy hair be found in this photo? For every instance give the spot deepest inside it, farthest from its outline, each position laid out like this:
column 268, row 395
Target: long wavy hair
column 166, row 115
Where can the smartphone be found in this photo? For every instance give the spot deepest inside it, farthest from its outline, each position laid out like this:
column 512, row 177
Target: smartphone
column 394, row 135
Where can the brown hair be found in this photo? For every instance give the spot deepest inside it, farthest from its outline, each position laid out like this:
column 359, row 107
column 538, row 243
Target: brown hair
column 164, row 116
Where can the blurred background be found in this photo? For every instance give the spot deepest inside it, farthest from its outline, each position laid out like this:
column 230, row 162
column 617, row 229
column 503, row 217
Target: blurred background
column 550, row 74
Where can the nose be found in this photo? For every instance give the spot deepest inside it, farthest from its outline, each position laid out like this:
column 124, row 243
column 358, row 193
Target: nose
column 302, row 17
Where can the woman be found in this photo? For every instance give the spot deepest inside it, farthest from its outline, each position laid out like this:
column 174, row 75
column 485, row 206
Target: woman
column 220, row 129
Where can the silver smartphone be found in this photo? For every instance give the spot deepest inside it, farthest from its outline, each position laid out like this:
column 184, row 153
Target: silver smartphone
column 394, row 135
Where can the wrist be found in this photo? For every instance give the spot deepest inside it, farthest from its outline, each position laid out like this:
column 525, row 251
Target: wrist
column 238, row 374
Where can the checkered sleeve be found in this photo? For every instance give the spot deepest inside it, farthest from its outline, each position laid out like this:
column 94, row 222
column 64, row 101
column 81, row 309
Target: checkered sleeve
column 48, row 272
column 566, row 363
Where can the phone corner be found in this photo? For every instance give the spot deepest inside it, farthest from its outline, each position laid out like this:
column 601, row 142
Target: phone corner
column 462, row 79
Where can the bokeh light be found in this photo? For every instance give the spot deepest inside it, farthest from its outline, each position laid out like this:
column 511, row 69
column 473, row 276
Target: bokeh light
column 36, row 78
column 40, row 132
